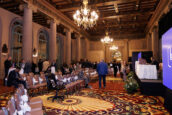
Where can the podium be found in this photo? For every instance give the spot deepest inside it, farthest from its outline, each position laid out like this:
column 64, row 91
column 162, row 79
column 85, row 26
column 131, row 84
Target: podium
column 148, row 80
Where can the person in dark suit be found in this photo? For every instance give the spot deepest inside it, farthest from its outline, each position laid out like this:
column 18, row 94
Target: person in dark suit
column 95, row 65
column 7, row 65
column 63, row 70
column 155, row 62
column 14, row 78
column 115, row 68
column 33, row 67
column 28, row 67
column 54, row 64
column 102, row 69
column 40, row 65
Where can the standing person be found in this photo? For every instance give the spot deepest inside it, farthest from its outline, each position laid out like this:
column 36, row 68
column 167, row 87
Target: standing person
column 28, row 67
column 123, row 70
column 115, row 68
column 54, row 64
column 102, row 69
column 22, row 64
column 46, row 64
column 33, row 67
column 7, row 65
column 155, row 62
column 40, row 65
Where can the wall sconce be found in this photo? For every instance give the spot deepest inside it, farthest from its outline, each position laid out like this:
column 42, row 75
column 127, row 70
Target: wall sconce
column 35, row 54
column 4, row 49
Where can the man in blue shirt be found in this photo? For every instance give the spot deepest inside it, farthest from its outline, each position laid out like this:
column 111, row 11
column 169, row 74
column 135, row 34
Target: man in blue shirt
column 102, row 70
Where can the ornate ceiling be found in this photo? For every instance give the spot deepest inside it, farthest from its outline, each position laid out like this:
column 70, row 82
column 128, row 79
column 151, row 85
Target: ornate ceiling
column 122, row 18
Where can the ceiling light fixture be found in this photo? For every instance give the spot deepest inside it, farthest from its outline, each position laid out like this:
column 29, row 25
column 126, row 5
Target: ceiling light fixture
column 113, row 47
column 107, row 39
column 85, row 17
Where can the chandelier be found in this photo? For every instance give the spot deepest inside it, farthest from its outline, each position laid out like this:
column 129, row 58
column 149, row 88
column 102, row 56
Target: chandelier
column 85, row 17
column 116, row 54
column 113, row 47
column 106, row 39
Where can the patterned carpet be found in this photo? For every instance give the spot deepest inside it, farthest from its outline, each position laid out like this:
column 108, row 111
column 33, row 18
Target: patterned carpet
column 113, row 100
column 5, row 94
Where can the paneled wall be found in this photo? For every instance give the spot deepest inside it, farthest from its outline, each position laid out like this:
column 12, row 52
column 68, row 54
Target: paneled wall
column 95, row 51
column 137, row 45
column 125, row 46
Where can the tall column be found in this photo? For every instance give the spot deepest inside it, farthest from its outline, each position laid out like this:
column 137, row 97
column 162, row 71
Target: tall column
column 74, row 49
column 126, row 50
column 52, row 41
column 68, row 47
column 61, row 50
column 64, row 50
column 149, row 42
column 155, row 43
column 78, row 47
column 86, row 47
column 27, row 34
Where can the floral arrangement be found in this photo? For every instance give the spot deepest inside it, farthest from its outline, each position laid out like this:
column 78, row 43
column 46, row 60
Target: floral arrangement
column 131, row 84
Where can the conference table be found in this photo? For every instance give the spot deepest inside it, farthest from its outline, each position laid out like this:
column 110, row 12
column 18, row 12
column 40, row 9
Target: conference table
column 144, row 71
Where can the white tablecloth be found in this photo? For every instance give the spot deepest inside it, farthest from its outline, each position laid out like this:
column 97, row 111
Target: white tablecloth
column 146, row 71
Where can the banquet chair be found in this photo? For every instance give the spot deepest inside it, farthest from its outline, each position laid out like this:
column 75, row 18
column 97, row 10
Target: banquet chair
column 11, row 106
column 33, row 84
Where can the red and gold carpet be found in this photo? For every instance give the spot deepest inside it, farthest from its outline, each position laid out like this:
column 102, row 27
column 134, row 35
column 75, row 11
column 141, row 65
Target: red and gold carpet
column 109, row 101
column 5, row 94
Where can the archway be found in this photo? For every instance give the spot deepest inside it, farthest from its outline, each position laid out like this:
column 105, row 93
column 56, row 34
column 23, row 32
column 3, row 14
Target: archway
column 43, row 38
column 16, row 41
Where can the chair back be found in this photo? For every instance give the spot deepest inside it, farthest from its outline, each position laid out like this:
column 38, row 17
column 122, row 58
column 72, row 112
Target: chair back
column 11, row 107
column 29, row 81
column 42, row 76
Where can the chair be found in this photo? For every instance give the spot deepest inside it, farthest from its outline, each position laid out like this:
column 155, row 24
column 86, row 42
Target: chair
column 43, row 89
column 57, row 86
column 3, row 111
column 11, row 106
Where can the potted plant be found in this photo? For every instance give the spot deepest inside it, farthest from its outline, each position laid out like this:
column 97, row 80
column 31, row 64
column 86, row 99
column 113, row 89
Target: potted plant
column 131, row 84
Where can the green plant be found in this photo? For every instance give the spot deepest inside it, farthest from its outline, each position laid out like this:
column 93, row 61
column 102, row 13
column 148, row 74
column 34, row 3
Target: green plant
column 131, row 84
column 131, row 74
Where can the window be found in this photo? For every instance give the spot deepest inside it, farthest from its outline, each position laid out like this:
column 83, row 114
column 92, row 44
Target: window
column 43, row 45
column 16, row 42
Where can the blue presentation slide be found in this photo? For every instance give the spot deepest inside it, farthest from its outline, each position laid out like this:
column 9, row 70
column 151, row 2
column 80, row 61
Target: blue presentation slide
column 167, row 58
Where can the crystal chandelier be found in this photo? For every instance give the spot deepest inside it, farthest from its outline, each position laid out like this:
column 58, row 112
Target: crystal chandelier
column 85, row 17
column 113, row 47
column 117, row 54
column 107, row 39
